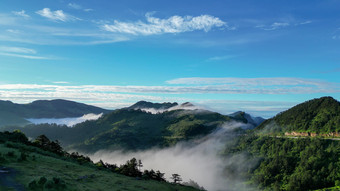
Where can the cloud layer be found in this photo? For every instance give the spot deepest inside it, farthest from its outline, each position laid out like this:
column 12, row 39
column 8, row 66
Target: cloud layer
column 177, row 90
column 174, row 24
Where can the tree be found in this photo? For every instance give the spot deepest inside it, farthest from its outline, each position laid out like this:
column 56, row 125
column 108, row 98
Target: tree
column 159, row 176
column 177, row 178
column 130, row 168
column 42, row 141
column 139, row 165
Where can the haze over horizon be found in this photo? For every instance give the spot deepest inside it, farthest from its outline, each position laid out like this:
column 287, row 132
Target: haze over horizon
column 260, row 57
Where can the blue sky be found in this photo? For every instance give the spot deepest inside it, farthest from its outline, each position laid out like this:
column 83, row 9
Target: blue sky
column 258, row 56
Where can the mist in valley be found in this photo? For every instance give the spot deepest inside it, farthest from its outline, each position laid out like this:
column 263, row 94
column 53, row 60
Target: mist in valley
column 196, row 160
column 69, row 121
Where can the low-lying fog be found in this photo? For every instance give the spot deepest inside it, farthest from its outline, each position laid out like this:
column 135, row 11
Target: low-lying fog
column 71, row 121
column 197, row 160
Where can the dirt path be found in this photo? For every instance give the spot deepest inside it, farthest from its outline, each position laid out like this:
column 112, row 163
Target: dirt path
column 7, row 179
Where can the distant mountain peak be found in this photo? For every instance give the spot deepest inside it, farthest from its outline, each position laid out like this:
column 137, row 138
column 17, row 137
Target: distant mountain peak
column 187, row 104
column 150, row 105
column 241, row 115
column 13, row 113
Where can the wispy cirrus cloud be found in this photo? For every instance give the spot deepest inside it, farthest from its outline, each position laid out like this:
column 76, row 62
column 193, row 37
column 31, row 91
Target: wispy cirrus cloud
column 218, row 58
column 17, row 49
column 78, row 7
column 24, row 56
column 20, row 52
column 57, row 15
column 31, row 31
column 277, row 81
column 174, row 24
column 21, row 13
column 290, row 22
column 274, row 26
column 74, row 6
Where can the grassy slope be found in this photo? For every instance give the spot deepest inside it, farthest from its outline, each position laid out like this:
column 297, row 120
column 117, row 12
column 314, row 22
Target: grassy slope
column 52, row 166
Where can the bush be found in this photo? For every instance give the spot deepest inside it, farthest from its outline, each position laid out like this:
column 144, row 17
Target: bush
column 2, row 158
column 10, row 154
column 33, row 185
column 23, row 157
column 337, row 183
column 42, row 180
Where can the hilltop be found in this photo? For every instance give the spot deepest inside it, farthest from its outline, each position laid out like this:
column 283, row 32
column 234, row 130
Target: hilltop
column 317, row 117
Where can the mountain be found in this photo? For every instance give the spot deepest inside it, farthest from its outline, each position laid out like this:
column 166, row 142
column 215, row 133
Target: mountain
column 150, row 105
column 316, row 116
column 280, row 162
column 16, row 114
column 241, row 115
column 132, row 129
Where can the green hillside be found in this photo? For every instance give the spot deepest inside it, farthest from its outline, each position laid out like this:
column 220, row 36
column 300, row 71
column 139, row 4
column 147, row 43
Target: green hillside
column 320, row 116
column 131, row 129
column 15, row 114
column 285, row 164
column 36, row 166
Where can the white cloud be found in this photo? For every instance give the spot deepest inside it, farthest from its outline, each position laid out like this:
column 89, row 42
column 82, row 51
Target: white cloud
column 24, row 56
column 274, row 26
column 20, row 52
column 70, row 122
column 57, row 15
column 74, row 6
column 199, row 85
column 60, row 82
column 13, row 31
column 42, row 34
column 21, row 13
column 305, row 22
column 17, row 50
column 249, row 81
column 78, row 7
column 174, row 24
column 218, row 58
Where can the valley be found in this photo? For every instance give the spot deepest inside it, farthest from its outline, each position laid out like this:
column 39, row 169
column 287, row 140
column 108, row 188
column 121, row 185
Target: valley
column 209, row 148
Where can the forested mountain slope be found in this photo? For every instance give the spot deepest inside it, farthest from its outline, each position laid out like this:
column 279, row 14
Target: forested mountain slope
column 319, row 116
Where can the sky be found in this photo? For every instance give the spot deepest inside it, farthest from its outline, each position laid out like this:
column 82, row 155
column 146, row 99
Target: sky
column 261, row 57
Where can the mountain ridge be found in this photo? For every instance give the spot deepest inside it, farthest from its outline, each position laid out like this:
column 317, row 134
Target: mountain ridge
column 318, row 116
column 16, row 114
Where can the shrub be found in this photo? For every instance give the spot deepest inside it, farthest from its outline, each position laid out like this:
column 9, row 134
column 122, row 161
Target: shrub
column 22, row 157
column 42, row 180
column 10, row 154
column 33, row 185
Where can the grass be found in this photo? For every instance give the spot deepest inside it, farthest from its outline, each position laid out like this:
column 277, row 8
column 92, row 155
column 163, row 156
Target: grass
column 39, row 165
